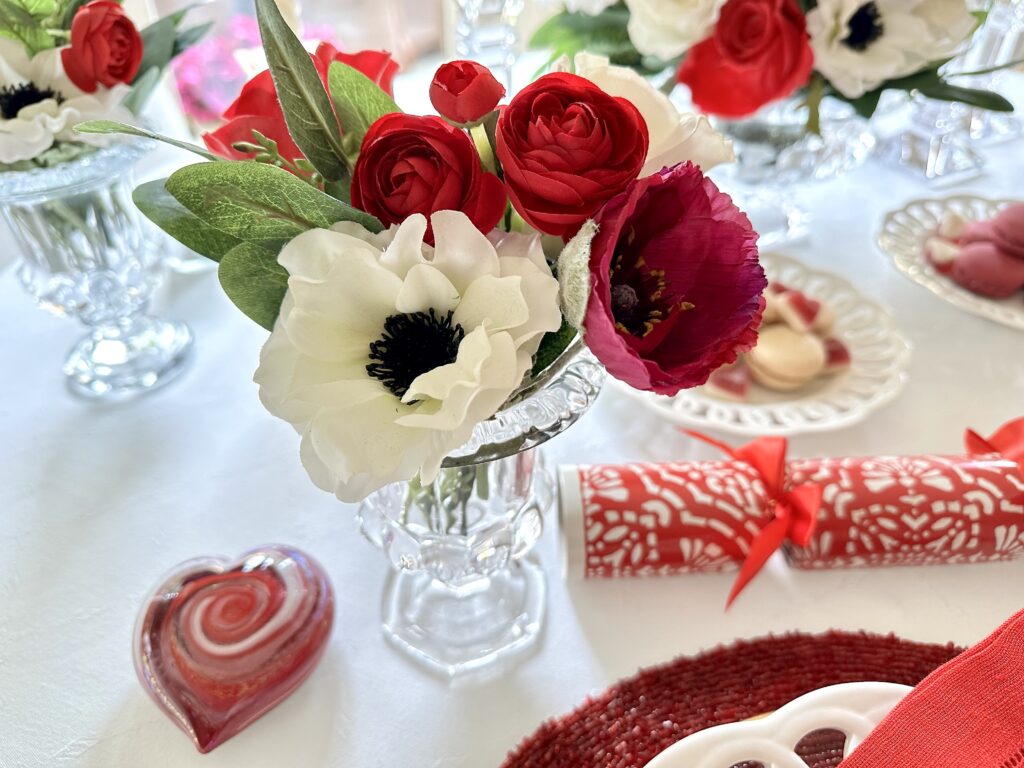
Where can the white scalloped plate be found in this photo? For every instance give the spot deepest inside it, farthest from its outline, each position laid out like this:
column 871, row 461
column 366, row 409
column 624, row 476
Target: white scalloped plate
column 876, row 375
column 902, row 238
column 853, row 708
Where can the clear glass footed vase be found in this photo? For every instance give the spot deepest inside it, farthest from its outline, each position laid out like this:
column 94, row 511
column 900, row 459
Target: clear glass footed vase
column 465, row 592
column 86, row 252
column 775, row 151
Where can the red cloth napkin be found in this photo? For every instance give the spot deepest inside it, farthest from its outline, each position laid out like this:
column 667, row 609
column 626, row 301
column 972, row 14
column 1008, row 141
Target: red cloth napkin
column 969, row 713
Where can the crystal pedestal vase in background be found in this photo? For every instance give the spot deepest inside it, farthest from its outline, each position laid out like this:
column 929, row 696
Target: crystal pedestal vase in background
column 775, row 152
column 465, row 593
column 486, row 31
column 87, row 253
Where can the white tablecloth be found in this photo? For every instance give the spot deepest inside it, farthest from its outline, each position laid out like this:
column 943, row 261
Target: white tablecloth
column 97, row 502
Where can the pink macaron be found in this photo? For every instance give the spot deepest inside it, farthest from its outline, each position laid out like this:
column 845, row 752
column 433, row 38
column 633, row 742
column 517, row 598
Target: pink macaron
column 978, row 232
column 1008, row 230
column 982, row 267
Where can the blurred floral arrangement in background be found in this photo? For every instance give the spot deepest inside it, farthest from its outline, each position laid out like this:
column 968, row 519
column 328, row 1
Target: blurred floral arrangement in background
column 737, row 56
column 65, row 61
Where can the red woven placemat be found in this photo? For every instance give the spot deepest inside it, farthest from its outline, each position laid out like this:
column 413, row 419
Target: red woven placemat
column 638, row 717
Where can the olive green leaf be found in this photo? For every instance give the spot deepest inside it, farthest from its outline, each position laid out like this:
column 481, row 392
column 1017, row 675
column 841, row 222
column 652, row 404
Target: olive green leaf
column 304, row 101
column 358, row 101
column 112, row 127
column 160, row 207
column 254, row 281
column 259, row 202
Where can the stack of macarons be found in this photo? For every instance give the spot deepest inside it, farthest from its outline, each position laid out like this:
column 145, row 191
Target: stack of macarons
column 795, row 346
column 986, row 257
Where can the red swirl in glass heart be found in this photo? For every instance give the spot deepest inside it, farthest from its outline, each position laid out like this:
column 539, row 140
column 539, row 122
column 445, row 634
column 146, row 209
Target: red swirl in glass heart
column 219, row 644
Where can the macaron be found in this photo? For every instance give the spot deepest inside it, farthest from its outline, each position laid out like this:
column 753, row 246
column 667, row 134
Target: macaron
column 978, row 232
column 837, row 356
column 785, row 359
column 952, row 225
column 941, row 252
column 803, row 313
column 730, row 382
column 985, row 268
column 1008, row 230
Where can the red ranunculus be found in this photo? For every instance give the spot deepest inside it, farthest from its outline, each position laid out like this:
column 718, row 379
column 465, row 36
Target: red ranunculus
column 566, row 147
column 760, row 52
column 464, row 91
column 410, row 164
column 676, row 283
column 257, row 106
column 106, row 48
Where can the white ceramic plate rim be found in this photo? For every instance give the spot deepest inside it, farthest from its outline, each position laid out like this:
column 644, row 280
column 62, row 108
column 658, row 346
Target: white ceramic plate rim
column 695, row 408
column 903, row 243
column 854, row 708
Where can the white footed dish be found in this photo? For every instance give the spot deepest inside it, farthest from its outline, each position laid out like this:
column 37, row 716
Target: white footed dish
column 879, row 358
column 902, row 238
column 855, row 709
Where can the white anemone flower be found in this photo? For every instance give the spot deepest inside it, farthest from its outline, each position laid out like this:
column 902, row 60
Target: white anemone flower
column 40, row 105
column 668, row 28
column 674, row 137
column 388, row 352
column 860, row 45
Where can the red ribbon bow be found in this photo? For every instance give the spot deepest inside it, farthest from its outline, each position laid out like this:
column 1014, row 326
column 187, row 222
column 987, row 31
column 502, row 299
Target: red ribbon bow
column 1008, row 442
column 794, row 510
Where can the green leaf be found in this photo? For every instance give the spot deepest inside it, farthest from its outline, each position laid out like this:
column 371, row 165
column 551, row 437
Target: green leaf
column 160, row 207
column 186, row 38
column 604, row 34
column 110, row 126
column 944, row 91
column 358, row 101
column 258, row 202
column 254, row 281
column 552, row 345
column 141, row 90
column 68, row 15
column 158, row 46
column 23, row 22
column 866, row 104
column 307, row 109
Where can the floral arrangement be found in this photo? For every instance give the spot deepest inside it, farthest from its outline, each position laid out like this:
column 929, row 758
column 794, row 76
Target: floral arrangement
column 738, row 56
column 418, row 273
column 65, row 61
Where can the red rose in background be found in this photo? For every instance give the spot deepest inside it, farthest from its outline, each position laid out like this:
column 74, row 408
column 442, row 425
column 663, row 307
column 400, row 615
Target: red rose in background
column 106, row 48
column 464, row 91
column 257, row 107
column 410, row 164
column 566, row 147
column 676, row 282
column 760, row 52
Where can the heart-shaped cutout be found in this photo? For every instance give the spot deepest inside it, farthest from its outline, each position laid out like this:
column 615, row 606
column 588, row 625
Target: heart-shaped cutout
column 221, row 642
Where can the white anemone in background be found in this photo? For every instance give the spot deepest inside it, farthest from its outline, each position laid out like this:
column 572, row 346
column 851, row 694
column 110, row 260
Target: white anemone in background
column 39, row 105
column 859, row 45
column 668, row 28
column 388, row 352
column 675, row 137
column 589, row 7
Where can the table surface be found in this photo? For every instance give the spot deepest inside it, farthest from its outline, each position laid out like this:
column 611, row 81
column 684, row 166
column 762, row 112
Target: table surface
column 97, row 502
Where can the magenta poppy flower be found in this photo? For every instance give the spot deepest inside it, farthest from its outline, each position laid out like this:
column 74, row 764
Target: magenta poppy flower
column 676, row 283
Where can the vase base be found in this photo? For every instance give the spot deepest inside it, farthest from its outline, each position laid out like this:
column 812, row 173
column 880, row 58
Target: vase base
column 455, row 631
column 120, row 362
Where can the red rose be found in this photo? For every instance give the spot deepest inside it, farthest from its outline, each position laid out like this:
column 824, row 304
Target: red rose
column 410, row 164
column 106, row 48
column 464, row 91
column 376, row 65
column 676, row 282
column 759, row 53
column 257, row 106
column 566, row 147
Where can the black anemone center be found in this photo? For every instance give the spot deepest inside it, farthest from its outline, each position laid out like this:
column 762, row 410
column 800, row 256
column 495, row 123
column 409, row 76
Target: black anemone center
column 412, row 344
column 14, row 98
column 865, row 27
